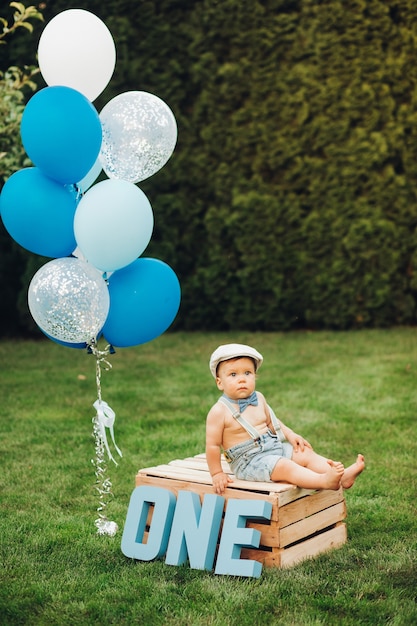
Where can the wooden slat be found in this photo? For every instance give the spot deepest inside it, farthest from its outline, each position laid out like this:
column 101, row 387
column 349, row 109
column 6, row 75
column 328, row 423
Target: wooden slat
column 198, row 465
column 310, row 525
column 274, row 536
column 269, row 558
column 270, row 534
column 329, row 540
column 303, row 507
column 200, row 460
column 172, row 485
column 177, row 473
column 291, row 495
column 287, row 557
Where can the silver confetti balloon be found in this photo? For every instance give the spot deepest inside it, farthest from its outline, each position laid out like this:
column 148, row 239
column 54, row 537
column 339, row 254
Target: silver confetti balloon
column 139, row 136
column 69, row 300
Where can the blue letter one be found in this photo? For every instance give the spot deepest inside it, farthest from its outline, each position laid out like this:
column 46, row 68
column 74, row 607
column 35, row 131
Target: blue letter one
column 135, row 525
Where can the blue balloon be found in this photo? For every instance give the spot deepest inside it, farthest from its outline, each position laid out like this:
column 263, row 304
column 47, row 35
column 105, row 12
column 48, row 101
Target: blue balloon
column 61, row 133
column 39, row 213
column 66, row 344
column 144, row 300
column 90, row 177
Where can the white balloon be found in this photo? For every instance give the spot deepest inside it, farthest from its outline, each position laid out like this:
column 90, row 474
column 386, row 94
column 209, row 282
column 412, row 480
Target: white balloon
column 69, row 300
column 76, row 49
column 139, row 136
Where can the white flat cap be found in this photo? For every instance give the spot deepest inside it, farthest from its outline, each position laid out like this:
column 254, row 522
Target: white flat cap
column 232, row 351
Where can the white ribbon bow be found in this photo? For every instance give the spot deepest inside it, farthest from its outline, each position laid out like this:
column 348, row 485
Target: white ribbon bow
column 105, row 419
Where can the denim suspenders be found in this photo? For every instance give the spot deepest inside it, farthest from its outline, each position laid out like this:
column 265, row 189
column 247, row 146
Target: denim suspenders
column 238, row 417
column 253, row 433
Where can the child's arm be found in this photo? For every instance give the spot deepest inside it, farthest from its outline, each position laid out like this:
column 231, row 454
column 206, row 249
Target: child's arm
column 297, row 441
column 214, row 436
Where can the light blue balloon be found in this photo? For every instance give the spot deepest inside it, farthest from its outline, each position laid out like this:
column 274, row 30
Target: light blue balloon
column 39, row 213
column 144, row 300
column 90, row 177
column 113, row 224
column 61, row 133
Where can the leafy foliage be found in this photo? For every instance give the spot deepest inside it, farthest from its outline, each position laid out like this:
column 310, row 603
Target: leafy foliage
column 15, row 83
column 291, row 198
column 20, row 19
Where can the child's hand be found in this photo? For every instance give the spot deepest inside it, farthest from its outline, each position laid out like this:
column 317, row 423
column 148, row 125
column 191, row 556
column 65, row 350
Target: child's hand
column 220, row 482
column 298, row 442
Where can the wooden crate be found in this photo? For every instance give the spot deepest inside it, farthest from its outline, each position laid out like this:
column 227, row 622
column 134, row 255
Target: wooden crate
column 304, row 523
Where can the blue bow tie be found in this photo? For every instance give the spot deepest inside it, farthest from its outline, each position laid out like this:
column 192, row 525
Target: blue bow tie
column 245, row 402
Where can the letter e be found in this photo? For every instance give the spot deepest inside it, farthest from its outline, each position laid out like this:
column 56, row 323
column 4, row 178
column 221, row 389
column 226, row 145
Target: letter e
column 235, row 536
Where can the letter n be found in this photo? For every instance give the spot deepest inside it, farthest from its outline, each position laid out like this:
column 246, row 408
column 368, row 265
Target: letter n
column 195, row 530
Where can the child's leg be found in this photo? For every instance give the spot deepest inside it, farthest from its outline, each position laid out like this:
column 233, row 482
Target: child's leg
column 287, row 470
column 310, row 459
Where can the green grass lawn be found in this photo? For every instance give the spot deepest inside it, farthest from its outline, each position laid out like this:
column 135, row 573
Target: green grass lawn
column 345, row 392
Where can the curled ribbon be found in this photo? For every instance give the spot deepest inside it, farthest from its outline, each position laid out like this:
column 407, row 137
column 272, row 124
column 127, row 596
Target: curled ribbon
column 105, row 419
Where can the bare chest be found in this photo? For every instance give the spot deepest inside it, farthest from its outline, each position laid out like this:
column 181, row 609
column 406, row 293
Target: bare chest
column 235, row 433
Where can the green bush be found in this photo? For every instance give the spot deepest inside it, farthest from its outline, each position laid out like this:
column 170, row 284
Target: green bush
column 16, row 83
column 290, row 200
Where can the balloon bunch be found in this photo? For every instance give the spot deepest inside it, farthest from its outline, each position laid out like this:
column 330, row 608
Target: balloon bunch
column 97, row 284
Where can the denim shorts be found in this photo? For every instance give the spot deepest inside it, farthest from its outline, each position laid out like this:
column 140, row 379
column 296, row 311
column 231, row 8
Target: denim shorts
column 255, row 460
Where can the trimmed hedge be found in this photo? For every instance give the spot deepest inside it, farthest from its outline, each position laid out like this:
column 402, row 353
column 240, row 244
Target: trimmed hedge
column 290, row 201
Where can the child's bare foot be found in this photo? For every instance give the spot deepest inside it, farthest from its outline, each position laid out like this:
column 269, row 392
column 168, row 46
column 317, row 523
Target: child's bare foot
column 337, row 465
column 333, row 476
column 351, row 472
